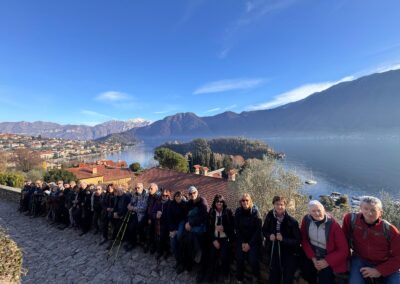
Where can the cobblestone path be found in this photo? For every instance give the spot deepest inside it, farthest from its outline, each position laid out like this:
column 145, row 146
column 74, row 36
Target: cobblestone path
column 55, row 256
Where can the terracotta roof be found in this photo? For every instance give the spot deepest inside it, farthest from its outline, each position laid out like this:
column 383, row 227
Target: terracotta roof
column 86, row 171
column 208, row 187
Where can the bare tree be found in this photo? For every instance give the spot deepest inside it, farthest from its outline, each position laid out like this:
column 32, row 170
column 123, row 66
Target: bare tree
column 26, row 160
column 3, row 161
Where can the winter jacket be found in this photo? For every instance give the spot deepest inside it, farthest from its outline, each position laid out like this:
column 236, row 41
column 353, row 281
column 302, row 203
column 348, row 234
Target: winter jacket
column 176, row 214
column 121, row 204
column 139, row 201
column 370, row 243
column 197, row 215
column 227, row 222
column 289, row 230
column 336, row 243
column 248, row 226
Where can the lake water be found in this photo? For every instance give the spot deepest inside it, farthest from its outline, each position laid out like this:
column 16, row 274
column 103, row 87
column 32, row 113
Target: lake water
column 351, row 165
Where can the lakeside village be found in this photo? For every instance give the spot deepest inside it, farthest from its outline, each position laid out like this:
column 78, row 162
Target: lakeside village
column 53, row 151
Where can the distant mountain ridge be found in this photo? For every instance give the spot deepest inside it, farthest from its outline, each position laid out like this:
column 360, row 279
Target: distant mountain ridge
column 369, row 103
column 69, row 131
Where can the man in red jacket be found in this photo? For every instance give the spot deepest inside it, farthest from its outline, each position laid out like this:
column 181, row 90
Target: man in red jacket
column 375, row 244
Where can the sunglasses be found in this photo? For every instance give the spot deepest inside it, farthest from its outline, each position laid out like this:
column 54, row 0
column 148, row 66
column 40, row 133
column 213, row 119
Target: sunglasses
column 165, row 195
column 245, row 200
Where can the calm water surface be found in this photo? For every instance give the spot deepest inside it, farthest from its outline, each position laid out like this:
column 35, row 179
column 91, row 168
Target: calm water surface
column 348, row 165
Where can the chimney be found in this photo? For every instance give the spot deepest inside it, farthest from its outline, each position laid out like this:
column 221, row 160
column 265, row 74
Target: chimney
column 205, row 171
column 94, row 170
column 196, row 169
column 232, row 175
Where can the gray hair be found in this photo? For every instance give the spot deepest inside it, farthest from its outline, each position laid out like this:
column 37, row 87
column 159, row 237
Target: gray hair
column 371, row 200
column 155, row 185
column 315, row 203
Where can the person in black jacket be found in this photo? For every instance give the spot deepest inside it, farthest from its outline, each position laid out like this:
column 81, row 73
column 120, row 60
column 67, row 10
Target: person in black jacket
column 107, row 204
column 194, row 240
column 248, row 236
column 96, row 207
column 149, row 228
column 282, row 234
column 221, row 234
column 176, row 222
column 160, row 219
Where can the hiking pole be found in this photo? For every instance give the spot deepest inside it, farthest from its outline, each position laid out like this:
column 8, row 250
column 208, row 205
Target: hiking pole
column 116, row 238
column 123, row 234
column 280, row 260
column 272, row 254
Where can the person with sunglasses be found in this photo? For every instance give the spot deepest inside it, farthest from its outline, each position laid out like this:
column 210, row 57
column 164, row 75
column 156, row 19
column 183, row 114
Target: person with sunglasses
column 221, row 233
column 248, row 237
column 160, row 219
column 194, row 240
column 282, row 235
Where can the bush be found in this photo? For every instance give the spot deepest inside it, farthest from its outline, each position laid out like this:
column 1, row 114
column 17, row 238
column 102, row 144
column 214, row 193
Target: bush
column 35, row 174
column 263, row 179
column 13, row 179
column 135, row 167
column 59, row 174
column 391, row 209
column 10, row 260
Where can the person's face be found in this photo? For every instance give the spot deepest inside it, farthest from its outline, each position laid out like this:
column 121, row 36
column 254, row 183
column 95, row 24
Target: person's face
column 370, row 212
column 193, row 195
column 110, row 189
column 66, row 185
column 178, row 199
column 60, row 184
column 317, row 212
column 280, row 207
column 139, row 188
column 83, row 185
column 165, row 195
column 245, row 202
column 219, row 204
column 98, row 190
column 152, row 189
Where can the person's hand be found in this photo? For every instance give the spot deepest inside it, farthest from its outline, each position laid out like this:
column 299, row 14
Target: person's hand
column 159, row 213
column 245, row 247
column 219, row 228
column 188, row 227
column 172, row 234
column 279, row 237
column 216, row 244
column 116, row 215
column 149, row 221
column 130, row 207
column 321, row 264
column 370, row 272
column 272, row 237
column 314, row 260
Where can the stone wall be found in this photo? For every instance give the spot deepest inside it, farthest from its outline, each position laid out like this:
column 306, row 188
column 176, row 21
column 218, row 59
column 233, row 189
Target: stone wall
column 10, row 193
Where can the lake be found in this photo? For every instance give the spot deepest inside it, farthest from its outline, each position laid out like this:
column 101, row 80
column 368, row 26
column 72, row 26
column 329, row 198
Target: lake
column 352, row 165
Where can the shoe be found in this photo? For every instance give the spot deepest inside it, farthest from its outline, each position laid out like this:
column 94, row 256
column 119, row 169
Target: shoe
column 96, row 232
column 158, row 256
column 145, row 249
column 81, row 234
column 128, row 247
column 153, row 250
column 109, row 246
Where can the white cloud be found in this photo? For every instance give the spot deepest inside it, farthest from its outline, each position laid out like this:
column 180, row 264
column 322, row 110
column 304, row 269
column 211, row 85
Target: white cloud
column 297, row 94
column 213, row 110
column 230, row 107
column 228, row 85
column 95, row 114
column 112, row 96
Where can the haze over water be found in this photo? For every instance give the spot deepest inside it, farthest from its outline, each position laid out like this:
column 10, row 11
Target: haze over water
column 351, row 165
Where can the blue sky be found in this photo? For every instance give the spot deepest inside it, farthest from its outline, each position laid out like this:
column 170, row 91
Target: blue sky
column 92, row 61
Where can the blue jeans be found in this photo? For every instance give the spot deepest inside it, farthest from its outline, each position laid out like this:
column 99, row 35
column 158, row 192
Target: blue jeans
column 356, row 277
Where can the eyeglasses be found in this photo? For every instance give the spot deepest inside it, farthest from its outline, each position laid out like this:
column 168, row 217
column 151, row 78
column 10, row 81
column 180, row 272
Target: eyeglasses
column 245, row 200
column 165, row 195
column 192, row 193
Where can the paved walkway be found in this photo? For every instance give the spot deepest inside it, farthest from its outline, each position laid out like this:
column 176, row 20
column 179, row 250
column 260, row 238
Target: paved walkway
column 55, row 256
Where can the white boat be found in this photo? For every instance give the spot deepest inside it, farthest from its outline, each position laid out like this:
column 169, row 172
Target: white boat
column 310, row 182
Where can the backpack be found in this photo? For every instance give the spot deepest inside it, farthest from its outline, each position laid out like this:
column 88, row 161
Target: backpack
column 385, row 224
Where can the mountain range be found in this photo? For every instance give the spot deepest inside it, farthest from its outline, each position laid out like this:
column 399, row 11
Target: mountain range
column 69, row 131
column 367, row 104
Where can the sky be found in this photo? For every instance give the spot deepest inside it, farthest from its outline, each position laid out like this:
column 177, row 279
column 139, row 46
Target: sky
column 86, row 62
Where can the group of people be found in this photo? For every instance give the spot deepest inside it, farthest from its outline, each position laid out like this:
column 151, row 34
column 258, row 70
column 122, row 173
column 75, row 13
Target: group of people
column 181, row 223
